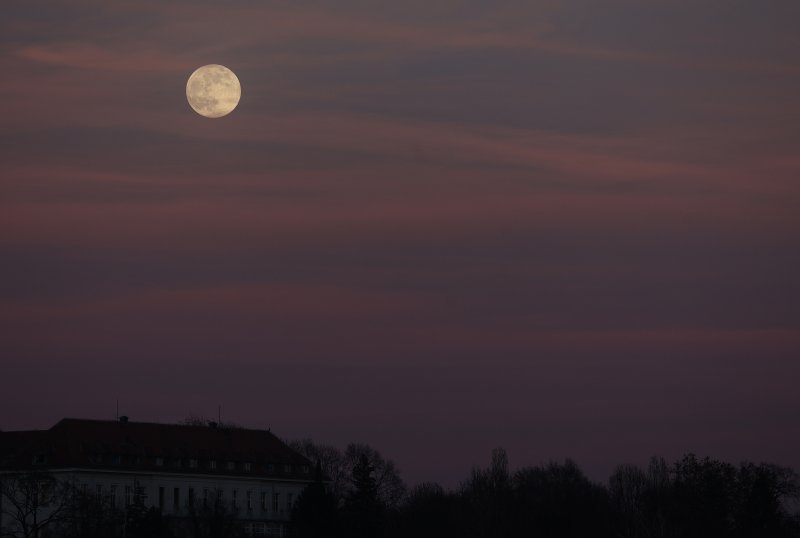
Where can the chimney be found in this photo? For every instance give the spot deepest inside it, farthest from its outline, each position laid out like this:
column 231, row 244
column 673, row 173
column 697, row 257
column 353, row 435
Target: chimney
column 123, row 419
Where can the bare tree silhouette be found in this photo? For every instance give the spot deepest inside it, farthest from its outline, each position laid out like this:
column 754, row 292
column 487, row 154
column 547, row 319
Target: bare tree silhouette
column 33, row 502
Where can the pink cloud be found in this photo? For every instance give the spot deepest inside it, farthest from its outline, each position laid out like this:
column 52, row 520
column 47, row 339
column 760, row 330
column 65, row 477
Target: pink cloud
column 88, row 56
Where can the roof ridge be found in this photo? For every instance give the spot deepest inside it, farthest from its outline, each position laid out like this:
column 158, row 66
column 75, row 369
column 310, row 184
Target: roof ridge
column 221, row 427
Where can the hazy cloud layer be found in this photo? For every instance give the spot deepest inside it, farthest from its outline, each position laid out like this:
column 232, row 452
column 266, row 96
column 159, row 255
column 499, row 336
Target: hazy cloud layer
column 569, row 228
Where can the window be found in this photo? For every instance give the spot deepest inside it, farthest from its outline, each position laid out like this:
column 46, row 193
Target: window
column 231, row 466
column 39, row 459
column 112, row 497
column 45, row 490
column 140, row 495
column 178, row 462
column 287, row 468
column 276, row 497
column 249, row 500
column 117, row 460
column 84, row 489
column 271, row 468
column 128, row 494
column 212, row 464
column 289, row 498
column 176, row 498
column 305, row 469
column 193, row 463
column 256, row 529
column 264, row 501
column 159, row 462
column 205, row 497
column 247, row 466
column 98, row 489
column 235, row 504
column 161, row 497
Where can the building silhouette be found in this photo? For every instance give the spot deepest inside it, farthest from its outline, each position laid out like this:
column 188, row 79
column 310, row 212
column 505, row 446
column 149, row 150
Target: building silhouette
column 175, row 469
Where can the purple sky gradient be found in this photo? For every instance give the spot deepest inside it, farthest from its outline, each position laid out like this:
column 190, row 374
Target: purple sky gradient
column 568, row 228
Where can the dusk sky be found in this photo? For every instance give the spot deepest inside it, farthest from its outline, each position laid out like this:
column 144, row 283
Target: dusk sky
column 568, row 228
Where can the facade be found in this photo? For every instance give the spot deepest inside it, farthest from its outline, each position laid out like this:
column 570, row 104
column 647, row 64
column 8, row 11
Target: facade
column 176, row 469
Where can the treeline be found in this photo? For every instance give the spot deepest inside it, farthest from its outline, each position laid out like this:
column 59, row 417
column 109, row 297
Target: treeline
column 357, row 493
column 38, row 505
column 363, row 497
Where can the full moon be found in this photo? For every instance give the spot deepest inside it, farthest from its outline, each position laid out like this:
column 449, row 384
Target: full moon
column 213, row 91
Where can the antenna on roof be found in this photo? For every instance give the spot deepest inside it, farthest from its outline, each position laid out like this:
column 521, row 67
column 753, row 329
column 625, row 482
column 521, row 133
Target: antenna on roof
column 117, row 408
column 219, row 413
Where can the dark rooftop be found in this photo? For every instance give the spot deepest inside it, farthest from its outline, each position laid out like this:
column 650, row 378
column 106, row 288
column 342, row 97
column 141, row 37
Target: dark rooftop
column 147, row 447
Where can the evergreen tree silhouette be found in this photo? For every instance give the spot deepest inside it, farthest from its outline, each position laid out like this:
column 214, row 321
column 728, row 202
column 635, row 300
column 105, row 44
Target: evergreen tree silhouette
column 315, row 512
column 364, row 514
